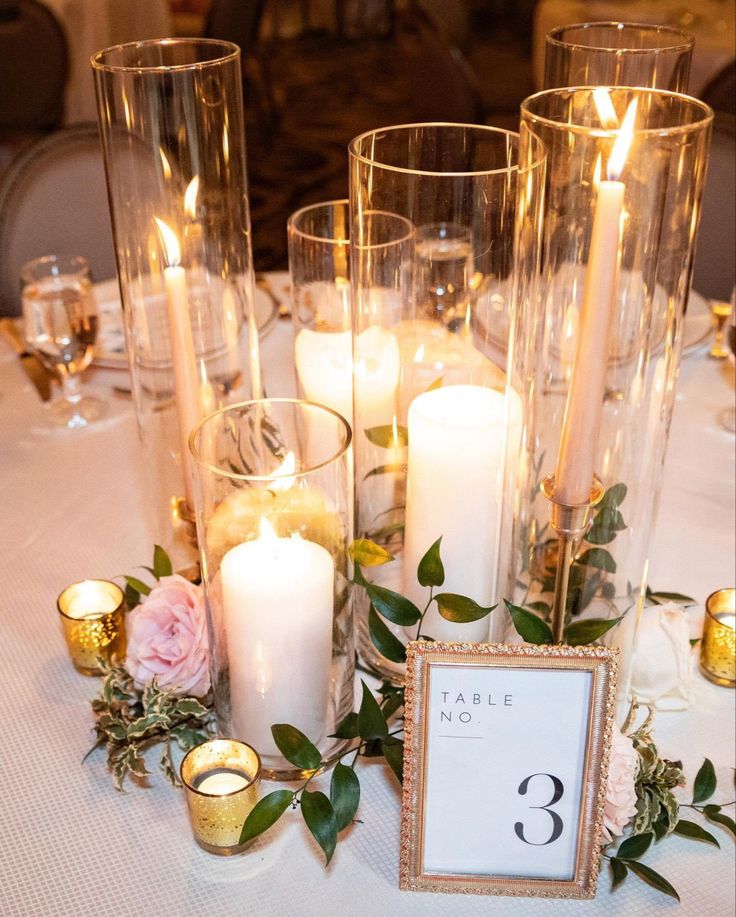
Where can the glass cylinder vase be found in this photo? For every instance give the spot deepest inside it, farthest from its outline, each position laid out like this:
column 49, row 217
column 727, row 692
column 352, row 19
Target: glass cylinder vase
column 618, row 54
column 431, row 411
column 274, row 528
column 596, row 342
column 171, row 120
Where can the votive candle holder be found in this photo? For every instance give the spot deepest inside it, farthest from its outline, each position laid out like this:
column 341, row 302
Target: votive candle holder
column 718, row 647
column 221, row 781
column 93, row 620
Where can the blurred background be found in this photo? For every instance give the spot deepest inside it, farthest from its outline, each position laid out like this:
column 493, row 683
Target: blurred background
column 319, row 72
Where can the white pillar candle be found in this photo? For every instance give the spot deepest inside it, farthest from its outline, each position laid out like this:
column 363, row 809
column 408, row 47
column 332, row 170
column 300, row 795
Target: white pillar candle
column 457, row 437
column 575, row 461
column 324, row 363
column 277, row 596
column 186, row 384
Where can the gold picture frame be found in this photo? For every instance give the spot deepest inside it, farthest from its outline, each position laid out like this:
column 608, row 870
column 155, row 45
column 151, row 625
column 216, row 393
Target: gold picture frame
column 587, row 764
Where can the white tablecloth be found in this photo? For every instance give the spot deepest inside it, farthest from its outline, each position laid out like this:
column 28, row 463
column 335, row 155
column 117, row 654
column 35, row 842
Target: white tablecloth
column 71, row 844
column 91, row 25
column 711, row 22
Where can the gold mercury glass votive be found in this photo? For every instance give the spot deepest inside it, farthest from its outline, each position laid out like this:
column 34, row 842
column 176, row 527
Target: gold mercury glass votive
column 93, row 619
column 718, row 648
column 221, row 782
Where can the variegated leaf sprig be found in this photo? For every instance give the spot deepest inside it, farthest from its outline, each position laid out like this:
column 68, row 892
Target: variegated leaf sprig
column 129, row 720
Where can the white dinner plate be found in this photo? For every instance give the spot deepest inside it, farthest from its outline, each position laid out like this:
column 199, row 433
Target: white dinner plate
column 110, row 345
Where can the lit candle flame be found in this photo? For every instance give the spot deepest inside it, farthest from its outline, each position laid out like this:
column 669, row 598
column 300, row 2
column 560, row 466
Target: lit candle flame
column 597, row 172
column 169, row 242
column 604, row 105
column 268, row 536
column 623, row 142
column 285, row 472
column 190, row 198
column 419, row 355
column 165, row 164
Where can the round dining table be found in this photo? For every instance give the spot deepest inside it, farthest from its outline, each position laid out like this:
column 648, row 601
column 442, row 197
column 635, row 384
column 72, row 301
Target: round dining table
column 74, row 507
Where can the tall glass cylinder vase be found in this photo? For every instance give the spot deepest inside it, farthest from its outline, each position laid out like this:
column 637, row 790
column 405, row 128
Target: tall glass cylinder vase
column 597, row 337
column 618, row 54
column 431, row 412
column 274, row 527
column 171, row 119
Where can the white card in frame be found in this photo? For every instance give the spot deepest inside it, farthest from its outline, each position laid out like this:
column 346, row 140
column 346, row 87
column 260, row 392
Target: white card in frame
column 505, row 763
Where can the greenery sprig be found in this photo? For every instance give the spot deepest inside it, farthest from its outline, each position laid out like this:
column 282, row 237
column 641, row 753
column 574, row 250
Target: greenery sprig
column 129, row 720
column 325, row 816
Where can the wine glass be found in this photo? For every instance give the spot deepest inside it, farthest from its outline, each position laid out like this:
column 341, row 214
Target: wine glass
column 60, row 326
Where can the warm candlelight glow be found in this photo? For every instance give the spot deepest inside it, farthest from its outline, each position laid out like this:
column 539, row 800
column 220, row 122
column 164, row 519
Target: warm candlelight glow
column 190, row 198
column 285, row 471
column 604, row 105
column 169, row 242
column 165, row 164
column 623, row 143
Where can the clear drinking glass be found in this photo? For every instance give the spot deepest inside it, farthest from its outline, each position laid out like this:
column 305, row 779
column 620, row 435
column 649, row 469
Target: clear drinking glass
column 618, row 54
column 60, row 326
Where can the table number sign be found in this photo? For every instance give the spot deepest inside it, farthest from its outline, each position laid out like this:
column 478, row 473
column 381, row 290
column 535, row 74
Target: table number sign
column 506, row 755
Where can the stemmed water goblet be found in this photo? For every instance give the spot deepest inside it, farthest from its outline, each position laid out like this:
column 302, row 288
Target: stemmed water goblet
column 60, row 326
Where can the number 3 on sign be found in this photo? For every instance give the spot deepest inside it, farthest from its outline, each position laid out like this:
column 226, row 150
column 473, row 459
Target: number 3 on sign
column 502, row 776
column 556, row 820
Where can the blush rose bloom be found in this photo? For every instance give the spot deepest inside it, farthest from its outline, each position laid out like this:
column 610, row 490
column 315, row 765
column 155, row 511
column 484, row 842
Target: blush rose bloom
column 167, row 639
column 623, row 768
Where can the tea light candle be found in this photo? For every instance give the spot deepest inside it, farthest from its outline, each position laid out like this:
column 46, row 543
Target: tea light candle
column 718, row 647
column 93, row 622
column 221, row 783
column 277, row 596
column 457, row 438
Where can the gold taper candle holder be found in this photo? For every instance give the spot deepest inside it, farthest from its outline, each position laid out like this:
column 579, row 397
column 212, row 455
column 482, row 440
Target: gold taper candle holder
column 93, row 619
column 221, row 782
column 718, row 648
column 570, row 523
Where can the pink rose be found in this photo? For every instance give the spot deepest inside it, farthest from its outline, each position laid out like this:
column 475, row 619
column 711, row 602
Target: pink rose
column 620, row 805
column 167, row 638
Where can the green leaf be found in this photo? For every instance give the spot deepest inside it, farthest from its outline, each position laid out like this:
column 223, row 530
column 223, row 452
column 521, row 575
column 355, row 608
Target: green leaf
column 544, row 607
column 460, row 609
column 529, row 627
column 392, row 704
column 653, row 878
column 385, row 642
column 344, row 794
column 187, row 738
column 659, row 597
column 368, row 553
column 320, row 818
column 161, row 562
column 265, row 813
column 392, row 605
column 605, row 525
column 190, row 706
column 387, row 436
column 597, row 557
column 581, row 633
column 137, row 584
column 431, row 570
column 694, row 831
column 393, row 752
column 348, row 728
column 386, row 469
column 705, row 782
column 296, row 747
column 613, row 497
column 608, row 591
column 371, row 722
column 132, row 597
column 634, row 847
column 146, row 724
column 618, row 872
column 136, row 764
column 718, row 818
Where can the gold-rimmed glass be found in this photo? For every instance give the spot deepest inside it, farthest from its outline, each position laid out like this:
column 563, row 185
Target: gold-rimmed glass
column 718, row 646
column 92, row 615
